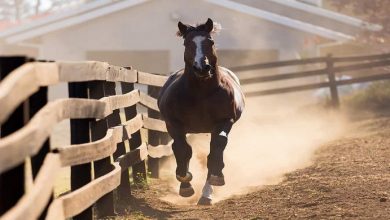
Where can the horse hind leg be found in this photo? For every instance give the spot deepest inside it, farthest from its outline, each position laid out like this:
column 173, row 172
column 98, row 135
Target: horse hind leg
column 183, row 153
column 215, row 164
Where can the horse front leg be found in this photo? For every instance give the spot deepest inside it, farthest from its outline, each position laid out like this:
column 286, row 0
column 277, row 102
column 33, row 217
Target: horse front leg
column 215, row 164
column 183, row 153
column 207, row 192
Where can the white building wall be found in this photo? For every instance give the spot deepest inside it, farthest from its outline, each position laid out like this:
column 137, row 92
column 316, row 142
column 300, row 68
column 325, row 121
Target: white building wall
column 152, row 26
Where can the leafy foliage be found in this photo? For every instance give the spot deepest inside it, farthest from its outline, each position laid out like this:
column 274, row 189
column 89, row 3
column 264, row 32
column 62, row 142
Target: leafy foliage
column 376, row 97
column 373, row 11
column 17, row 10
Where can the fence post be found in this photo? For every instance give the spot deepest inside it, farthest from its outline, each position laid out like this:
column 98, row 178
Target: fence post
column 139, row 170
column 36, row 102
column 153, row 136
column 79, row 133
column 335, row 101
column 12, row 181
column 105, row 205
column 123, row 190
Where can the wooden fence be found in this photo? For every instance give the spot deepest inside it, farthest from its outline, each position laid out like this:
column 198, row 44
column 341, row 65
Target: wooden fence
column 332, row 67
column 98, row 137
column 97, row 155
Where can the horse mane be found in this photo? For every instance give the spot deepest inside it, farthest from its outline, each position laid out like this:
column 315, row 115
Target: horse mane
column 200, row 27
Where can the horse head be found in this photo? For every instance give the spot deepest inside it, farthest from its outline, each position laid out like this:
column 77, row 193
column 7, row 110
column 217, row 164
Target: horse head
column 199, row 55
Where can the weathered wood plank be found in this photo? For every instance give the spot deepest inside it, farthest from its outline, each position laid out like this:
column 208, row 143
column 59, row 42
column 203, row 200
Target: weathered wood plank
column 282, row 76
column 96, row 150
column 121, row 74
column 370, row 78
column 82, row 153
column 47, row 73
column 133, row 157
column 94, row 70
column 148, row 101
column 362, row 58
column 33, row 202
column 134, row 124
column 27, row 141
column 154, row 124
column 76, row 201
column 151, row 79
column 55, row 211
column 288, row 89
column 309, row 73
column 278, row 64
column 82, row 71
column 160, row 150
column 317, row 85
column 308, row 61
column 120, row 101
column 23, row 82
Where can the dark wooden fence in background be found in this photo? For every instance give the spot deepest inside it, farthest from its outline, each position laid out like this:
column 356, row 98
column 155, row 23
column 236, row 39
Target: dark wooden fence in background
column 330, row 69
column 98, row 135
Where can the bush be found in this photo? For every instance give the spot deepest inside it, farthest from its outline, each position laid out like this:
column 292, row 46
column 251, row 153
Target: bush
column 376, row 97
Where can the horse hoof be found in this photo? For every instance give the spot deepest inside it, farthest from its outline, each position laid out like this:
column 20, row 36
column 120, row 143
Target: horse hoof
column 204, row 201
column 184, row 179
column 216, row 180
column 186, row 192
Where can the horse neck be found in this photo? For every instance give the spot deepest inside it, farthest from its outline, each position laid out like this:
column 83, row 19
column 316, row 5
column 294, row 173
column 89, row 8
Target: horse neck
column 202, row 87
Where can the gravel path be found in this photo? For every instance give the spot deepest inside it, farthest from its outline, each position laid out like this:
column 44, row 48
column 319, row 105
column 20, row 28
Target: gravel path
column 349, row 178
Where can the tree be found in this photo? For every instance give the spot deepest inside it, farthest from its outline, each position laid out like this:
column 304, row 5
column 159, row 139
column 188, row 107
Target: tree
column 373, row 11
column 17, row 10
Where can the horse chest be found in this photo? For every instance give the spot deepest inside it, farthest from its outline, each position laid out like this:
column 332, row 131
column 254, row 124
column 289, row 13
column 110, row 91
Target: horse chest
column 201, row 115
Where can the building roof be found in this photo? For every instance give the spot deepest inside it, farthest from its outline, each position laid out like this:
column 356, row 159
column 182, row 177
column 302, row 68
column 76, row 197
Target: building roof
column 314, row 15
column 329, row 14
column 101, row 8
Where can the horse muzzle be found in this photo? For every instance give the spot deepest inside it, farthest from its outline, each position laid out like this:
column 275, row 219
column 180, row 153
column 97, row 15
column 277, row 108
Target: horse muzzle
column 203, row 72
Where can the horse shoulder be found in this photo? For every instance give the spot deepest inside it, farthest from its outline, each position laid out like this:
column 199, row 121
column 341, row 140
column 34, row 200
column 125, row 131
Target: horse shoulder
column 232, row 86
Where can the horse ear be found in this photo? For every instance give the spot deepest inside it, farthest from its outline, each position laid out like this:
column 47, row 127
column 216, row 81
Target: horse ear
column 209, row 25
column 182, row 29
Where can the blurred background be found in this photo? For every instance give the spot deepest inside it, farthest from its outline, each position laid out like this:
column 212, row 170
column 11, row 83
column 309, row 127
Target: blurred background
column 141, row 33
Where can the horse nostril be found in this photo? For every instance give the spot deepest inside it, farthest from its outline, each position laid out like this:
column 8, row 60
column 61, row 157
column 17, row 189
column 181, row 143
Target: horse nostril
column 207, row 67
column 195, row 67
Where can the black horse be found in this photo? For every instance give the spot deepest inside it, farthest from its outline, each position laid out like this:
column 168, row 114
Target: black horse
column 201, row 98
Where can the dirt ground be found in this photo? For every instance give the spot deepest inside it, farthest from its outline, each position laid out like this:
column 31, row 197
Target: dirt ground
column 349, row 178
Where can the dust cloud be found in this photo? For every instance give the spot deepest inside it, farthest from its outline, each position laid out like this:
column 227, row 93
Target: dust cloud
column 276, row 135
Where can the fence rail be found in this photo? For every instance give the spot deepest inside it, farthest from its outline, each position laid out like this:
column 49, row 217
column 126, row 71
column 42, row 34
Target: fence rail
column 92, row 106
column 330, row 69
